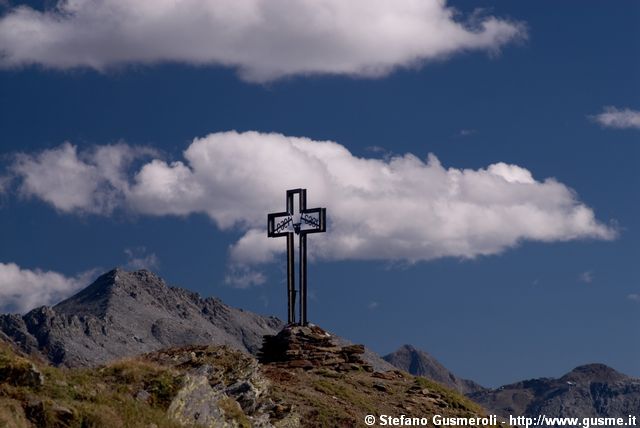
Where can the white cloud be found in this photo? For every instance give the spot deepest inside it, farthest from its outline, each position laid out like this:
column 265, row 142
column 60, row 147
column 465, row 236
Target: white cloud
column 140, row 258
column 586, row 277
column 613, row 117
column 466, row 132
column 262, row 39
column 400, row 209
column 92, row 182
column 243, row 277
column 24, row 289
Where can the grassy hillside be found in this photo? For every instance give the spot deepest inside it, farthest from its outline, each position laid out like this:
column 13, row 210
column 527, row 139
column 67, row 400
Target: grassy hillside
column 209, row 386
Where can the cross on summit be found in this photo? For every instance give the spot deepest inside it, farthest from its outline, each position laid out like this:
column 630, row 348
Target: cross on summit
column 287, row 223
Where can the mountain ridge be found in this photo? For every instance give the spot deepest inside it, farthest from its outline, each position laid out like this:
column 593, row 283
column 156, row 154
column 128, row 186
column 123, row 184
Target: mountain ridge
column 128, row 313
column 124, row 313
column 589, row 390
column 421, row 363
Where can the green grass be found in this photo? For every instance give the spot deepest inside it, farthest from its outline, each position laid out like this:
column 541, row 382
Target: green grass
column 454, row 400
column 233, row 412
column 137, row 392
column 83, row 398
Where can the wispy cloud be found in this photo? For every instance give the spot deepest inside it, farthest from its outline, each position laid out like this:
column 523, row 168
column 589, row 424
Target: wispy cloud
column 263, row 40
column 376, row 149
column 613, row 117
column 466, row 132
column 400, row 209
column 24, row 289
column 373, row 305
column 586, row 277
column 243, row 277
column 140, row 258
column 634, row 296
column 5, row 182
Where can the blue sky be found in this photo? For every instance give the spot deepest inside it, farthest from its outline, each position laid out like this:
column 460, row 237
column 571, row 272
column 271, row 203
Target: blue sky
column 498, row 272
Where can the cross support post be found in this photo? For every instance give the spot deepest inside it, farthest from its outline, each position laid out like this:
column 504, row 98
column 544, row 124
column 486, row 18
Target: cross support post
column 289, row 223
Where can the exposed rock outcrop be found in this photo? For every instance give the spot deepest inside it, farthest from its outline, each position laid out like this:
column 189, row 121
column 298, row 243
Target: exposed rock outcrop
column 310, row 347
column 216, row 386
column 220, row 388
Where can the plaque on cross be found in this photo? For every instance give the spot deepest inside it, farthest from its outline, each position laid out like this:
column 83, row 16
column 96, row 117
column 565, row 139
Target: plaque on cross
column 296, row 222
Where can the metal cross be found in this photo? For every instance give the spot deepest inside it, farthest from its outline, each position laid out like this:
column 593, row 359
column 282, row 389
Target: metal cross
column 301, row 223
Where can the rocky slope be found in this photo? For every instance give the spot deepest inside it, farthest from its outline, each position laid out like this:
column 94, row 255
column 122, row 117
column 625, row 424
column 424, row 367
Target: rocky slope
column 214, row 386
column 129, row 313
column 593, row 390
column 420, row 363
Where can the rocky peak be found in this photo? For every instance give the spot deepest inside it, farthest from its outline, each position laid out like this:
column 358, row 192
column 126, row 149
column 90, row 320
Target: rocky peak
column 420, row 363
column 588, row 390
column 411, row 357
column 589, row 373
column 126, row 313
column 109, row 290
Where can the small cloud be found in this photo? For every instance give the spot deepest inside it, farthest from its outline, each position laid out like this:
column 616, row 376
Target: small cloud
column 466, row 132
column 373, row 305
column 634, row 297
column 586, row 277
column 265, row 300
column 380, row 151
column 244, row 277
column 613, row 117
column 138, row 258
column 376, row 149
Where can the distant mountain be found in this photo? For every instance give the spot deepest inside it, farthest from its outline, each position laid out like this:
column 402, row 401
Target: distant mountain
column 593, row 390
column 128, row 313
column 420, row 363
column 123, row 314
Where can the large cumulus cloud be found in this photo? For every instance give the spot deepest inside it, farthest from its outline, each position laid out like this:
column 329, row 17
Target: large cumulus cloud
column 263, row 39
column 402, row 208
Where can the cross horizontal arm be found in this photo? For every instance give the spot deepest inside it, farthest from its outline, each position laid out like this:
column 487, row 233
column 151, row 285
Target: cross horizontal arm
column 279, row 224
column 313, row 220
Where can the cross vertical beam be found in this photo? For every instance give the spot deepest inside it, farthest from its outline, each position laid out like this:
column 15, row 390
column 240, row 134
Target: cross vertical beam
column 303, row 279
column 288, row 223
column 291, row 280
